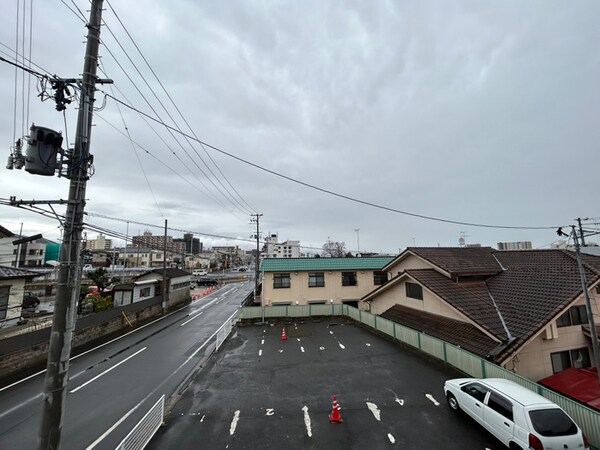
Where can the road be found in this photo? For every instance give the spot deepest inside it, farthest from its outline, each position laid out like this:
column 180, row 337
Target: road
column 112, row 386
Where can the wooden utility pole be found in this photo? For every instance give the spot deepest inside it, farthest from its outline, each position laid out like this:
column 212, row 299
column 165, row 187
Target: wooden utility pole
column 164, row 280
column 63, row 320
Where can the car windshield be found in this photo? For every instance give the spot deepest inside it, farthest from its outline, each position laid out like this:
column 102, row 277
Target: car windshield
column 552, row 422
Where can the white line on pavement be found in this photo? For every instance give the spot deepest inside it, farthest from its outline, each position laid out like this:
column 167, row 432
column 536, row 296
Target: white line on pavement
column 375, row 410
column 107, row 370
column 260, row 352
column 433, row 400
column 189, row 320
column 307, row 421
column 234, row 422
column 302, row 349
column 391, row 438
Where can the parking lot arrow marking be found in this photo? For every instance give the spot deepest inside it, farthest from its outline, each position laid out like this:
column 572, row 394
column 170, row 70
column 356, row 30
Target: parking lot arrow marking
column 433, row 400
column 307, row 421
column 400, row 401
column 375, row 410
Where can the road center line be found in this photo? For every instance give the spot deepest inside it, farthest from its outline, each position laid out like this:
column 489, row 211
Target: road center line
column 107, row 370
column 189, row 320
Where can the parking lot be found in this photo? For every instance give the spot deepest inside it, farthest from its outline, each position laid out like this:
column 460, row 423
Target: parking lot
column 260, row 391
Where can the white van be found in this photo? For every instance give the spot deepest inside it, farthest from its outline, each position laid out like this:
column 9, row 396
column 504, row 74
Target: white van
column 199, row 272
column 518, row 417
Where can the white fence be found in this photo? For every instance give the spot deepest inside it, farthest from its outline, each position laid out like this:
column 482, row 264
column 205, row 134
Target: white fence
column 141, row 434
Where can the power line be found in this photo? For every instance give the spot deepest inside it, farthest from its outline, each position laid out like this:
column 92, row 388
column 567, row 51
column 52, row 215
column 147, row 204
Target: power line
column 176, row 107
column 335, row 194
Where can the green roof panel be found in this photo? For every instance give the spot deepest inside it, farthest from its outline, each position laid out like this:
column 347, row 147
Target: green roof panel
column 300, row 264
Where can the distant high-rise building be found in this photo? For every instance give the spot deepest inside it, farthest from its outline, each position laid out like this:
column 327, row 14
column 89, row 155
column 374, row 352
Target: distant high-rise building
column 158, row 242
column 273, row 249
column 520, row 245
column 100, row 243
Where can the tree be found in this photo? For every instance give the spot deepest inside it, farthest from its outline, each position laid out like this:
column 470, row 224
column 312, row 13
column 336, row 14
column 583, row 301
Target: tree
column 334, row 249
column 100, row 278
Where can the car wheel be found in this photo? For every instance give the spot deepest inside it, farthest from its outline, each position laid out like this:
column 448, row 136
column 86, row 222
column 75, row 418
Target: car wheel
column 452, row 402
column 514, row 446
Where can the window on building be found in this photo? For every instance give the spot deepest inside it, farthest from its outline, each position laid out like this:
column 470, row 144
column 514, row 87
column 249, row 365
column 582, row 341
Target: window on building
column 578, row 358
column 4, row 294
column 576, row 315
column 316, row 279
column 379, row 277
column 145, row 292
column 349, row 279
column 281, row 280
column 414, row 290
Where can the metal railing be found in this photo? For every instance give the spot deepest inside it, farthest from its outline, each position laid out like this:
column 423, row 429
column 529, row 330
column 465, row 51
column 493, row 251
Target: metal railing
column 224, row 330
column 587, row 418
column 141, row 434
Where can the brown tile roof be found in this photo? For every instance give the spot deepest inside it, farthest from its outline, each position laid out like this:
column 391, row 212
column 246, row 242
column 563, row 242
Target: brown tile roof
column 531, row 290
column 11, row 272
column 466, row 261
column 470, row 297
column 459, row 333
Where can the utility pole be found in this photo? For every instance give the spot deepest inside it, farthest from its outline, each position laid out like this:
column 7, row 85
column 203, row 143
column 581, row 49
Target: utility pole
column 256, row 220
column 357, row 239
column 63, row 320
column 581, row 232
column 164, row 281
column 588, row 306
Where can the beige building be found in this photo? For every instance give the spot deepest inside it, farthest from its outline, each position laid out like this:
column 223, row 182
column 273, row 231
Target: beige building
column 303, row 281
column 523, row 309
column 100, row 243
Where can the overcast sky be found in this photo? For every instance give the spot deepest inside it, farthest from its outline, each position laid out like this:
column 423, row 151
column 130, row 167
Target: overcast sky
column 479, row 112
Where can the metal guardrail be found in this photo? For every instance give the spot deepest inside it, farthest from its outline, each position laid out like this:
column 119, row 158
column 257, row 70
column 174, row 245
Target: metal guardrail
column 587, row 418
column 141, row 434
column 224, row 330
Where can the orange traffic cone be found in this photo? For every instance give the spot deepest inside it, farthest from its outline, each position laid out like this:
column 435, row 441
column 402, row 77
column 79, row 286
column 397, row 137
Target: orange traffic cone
column 335, row 416
column 283, row 335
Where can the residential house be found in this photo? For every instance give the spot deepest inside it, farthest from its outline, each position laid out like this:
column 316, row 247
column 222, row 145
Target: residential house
column 12, row 288
column 524, row 309
column 34, row 253
column 302, row 281
column 150, row 285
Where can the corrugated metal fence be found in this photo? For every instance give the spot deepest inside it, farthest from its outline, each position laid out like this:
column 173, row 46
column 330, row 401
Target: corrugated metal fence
column 587, row 418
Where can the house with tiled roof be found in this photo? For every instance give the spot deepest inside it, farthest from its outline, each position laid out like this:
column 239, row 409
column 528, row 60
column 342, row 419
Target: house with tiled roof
column 313, row 281
column 522, row 309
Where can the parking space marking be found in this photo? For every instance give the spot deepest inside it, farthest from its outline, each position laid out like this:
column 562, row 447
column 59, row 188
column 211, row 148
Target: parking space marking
column 433, row 400
column 302, row 349
column 341, row 345
column 391, row 438
column 270, row 412
column 234, row 421
column 262, row 342
column 203, row 416
column 307, row 421
column 260, row 352
column 375, row 410
column 367, row 344
column 321, row 348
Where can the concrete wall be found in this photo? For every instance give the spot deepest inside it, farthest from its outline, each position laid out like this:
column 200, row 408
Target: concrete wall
column 333, row 289
column 29, row 350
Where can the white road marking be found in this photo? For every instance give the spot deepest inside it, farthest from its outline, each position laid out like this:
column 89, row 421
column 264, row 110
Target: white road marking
column 321, row 348
column 20, row 405
column 367, row 344
column 302, row 349
column 280, row 350
column 260, row 352
column 262, row 342
column 270, row 411
column 375, row 410
column 341, row 345
column 433, row 400
column 234, row 422
column 391, row 438
column 203, row 416
column 400, row 401
column 107, row 370
column 330, row 332
column 307, row 421
column 189, row 320
column 298, row 339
